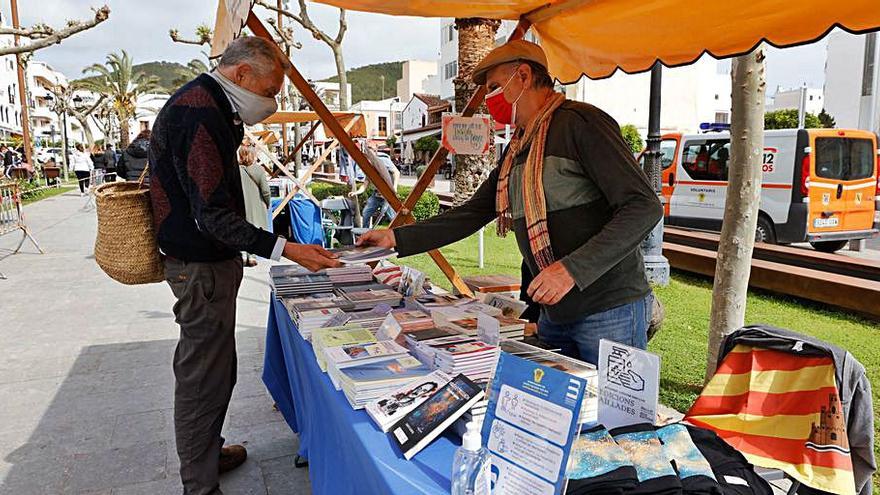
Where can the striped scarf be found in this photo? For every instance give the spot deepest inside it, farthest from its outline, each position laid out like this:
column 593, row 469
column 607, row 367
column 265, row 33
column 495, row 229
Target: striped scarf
column 534, row 203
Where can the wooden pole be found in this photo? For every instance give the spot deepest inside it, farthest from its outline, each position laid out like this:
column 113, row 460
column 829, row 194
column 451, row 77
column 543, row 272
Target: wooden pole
column 737, row 240
column 284, row 92
column 22, row 94
column 256, row 26
column 299, row 145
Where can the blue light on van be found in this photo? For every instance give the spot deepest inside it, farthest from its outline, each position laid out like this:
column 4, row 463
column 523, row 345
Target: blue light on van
column 714, row 127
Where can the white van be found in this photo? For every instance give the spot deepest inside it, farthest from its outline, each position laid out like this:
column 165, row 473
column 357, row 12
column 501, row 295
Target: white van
column 819, row 185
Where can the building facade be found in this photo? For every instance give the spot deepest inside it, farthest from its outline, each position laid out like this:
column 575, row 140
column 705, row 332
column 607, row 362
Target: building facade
column 329, row 94
column 852, row 82
column 791, row 98
column 422, row 115
column 418, row 76
column 382, row 117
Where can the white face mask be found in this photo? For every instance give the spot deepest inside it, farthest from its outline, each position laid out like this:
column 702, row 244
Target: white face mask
column 252, row 108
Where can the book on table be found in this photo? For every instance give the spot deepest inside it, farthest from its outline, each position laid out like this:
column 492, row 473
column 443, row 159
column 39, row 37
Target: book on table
column 353, row 254
column 324, row 338
column 428, row 420
column 349, row 355
column 366, row 382
column 392, row 407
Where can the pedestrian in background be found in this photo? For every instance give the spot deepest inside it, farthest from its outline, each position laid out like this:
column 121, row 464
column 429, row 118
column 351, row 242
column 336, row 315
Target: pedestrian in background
column 255, row 186
column 134, row 159
column 82, row 166
column 109, row 163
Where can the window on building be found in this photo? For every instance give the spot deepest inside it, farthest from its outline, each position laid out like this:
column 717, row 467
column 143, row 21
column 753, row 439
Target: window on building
column 449, row 33
column 716, row 96
column 424, row 120
column 707, row 160
column 383, row 126
column 11, row 93
column 870, row 55
column 722, row 118
column 450, row 70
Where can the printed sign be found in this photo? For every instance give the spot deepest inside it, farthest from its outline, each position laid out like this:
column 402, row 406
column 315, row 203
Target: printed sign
column 629, row 383
column 530, row 425
column 466, row 135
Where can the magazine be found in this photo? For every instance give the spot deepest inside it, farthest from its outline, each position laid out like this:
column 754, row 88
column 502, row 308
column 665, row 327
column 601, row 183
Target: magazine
column 351, row 255
column 429, row 419
column 390, row 408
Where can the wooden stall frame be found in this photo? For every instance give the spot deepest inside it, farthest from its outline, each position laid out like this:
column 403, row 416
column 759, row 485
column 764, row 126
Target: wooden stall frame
column 256, row 26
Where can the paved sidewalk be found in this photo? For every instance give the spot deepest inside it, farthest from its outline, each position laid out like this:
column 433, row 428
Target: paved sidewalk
column 85, row 374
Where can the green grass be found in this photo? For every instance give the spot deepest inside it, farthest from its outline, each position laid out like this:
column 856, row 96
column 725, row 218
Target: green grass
column 682, row 342
column 48, row 193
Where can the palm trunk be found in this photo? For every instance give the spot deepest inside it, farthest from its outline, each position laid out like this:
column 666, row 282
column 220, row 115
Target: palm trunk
column 741, row 209
column 476, row 38
column 123, row 134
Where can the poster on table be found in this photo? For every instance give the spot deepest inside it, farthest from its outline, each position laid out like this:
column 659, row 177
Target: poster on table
column 530, row 425
column 466, row 135
column 629, row 383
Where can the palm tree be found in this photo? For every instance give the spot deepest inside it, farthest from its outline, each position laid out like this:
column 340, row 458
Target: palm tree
column 476, row 38
column 190, row 72
column 122, row 86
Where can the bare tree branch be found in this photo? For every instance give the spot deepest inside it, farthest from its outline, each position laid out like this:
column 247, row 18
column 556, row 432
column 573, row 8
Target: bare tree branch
column 343, row 27
column 285, row 37
column 204, row 36
column 44, row 36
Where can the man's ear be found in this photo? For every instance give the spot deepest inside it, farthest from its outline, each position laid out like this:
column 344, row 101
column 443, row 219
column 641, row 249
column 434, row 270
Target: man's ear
column 525, row 75
column 241, row 72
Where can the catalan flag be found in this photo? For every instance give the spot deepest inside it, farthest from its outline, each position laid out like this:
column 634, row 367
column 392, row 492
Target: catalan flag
column 782, row 411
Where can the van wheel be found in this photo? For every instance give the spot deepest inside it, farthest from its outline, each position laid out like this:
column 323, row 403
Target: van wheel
column 764, row 231
column 829, row 246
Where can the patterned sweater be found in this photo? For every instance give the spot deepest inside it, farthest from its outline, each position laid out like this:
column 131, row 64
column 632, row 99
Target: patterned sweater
column 195, row 184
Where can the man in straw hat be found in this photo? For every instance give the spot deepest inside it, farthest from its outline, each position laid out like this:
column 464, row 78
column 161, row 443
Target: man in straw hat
column 199, row 212
column 569, row 189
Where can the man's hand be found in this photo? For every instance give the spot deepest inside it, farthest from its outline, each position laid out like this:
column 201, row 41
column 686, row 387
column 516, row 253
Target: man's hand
column 310, row 256
column 551, row 285
column 381, row 238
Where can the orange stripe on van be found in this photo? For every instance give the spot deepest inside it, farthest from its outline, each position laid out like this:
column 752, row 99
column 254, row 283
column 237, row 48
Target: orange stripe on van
column 771, row 185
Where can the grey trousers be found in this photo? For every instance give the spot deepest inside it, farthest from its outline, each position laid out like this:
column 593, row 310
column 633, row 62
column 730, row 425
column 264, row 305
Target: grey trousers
column 204, row 365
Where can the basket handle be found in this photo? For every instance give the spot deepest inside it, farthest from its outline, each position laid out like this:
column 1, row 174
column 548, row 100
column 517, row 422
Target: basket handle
column 144, row 174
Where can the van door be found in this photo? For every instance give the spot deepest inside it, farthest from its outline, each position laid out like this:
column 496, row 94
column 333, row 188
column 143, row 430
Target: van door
column 842, row 182
column 701, row 185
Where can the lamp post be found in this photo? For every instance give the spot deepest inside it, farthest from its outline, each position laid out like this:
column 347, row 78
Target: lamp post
column 656, row 265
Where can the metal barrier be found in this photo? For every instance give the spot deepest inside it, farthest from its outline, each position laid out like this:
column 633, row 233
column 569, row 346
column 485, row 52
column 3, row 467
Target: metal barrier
column 11, row 217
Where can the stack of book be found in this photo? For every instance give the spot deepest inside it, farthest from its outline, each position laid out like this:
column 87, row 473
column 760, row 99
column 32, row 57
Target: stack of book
column 472, row 358
column 350, row 274
column 413, row 320
column 365, row 383
column 346, row 356
column 421, row 343
column 369, row 299
column 308, row 320
column 392, row 407
column 509, row 328
column 370, row 320
column 585, row 371
column 293, row 280
column 324, row 338
column 512, row 328
column 430, row 302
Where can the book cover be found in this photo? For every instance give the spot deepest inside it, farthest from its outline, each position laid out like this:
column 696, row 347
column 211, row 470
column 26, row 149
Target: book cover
column 349, row 255
column 388, row 369
column 392, row 407
column 430, row 418
column 355, row 353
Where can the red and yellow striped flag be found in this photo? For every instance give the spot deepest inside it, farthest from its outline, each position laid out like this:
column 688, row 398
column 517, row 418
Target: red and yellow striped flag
column 781, row 411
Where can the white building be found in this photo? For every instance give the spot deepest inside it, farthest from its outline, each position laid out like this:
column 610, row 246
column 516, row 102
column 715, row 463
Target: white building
column 418, row 76
column 422, row 115
column 46, row 125
column 690, row 95
column 791, row 98
column 852, row 82
column 329, row 94
column 382, row 117
column 148, row 107
column 10, row 103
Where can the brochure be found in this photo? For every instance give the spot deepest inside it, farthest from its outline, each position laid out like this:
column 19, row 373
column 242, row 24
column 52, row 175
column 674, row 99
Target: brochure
column 351, row 255
column 390, row 408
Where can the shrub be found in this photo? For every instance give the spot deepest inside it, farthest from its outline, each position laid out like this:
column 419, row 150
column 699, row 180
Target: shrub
column 632, row 137
column 787, row 118
column 426, row 207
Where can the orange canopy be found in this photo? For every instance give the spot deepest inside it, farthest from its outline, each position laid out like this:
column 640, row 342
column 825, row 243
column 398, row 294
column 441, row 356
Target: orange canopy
column 358, row 129
column 596, row 37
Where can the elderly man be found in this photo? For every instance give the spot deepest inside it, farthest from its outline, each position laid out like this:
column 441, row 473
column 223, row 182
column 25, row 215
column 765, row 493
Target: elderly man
column 570, row 190
column 198, row 210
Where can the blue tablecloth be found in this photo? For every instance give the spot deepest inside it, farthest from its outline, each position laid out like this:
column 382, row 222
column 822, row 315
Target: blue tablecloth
column 347, row 453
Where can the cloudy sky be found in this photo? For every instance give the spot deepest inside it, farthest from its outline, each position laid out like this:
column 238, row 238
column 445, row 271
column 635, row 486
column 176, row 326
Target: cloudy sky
column 141, row 27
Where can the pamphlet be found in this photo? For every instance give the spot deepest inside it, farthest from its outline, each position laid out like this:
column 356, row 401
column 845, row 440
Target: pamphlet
column 530, row 426
column 629, row 384
column 351, row 255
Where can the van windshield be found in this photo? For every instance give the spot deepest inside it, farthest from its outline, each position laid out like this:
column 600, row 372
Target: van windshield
column 841, row 158
column 667, row 154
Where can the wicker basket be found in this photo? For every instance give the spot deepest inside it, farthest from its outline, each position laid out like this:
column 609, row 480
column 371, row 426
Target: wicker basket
column 126, row 246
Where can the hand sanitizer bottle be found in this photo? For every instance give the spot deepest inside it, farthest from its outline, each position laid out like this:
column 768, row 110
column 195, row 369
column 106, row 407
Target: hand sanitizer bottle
column 470, row 470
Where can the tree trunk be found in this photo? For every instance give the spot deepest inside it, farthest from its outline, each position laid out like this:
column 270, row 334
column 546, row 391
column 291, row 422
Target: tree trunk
column 476, row 38
column 343, row 78
column 123, row 134
column 84, row 122
column 741, row 209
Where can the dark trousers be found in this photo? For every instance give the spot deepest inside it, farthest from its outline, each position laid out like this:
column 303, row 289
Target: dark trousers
column 204, row 365
column 82, row 177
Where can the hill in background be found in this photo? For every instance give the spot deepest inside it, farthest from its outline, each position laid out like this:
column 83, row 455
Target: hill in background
column 167, row 72
column 366, row 83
